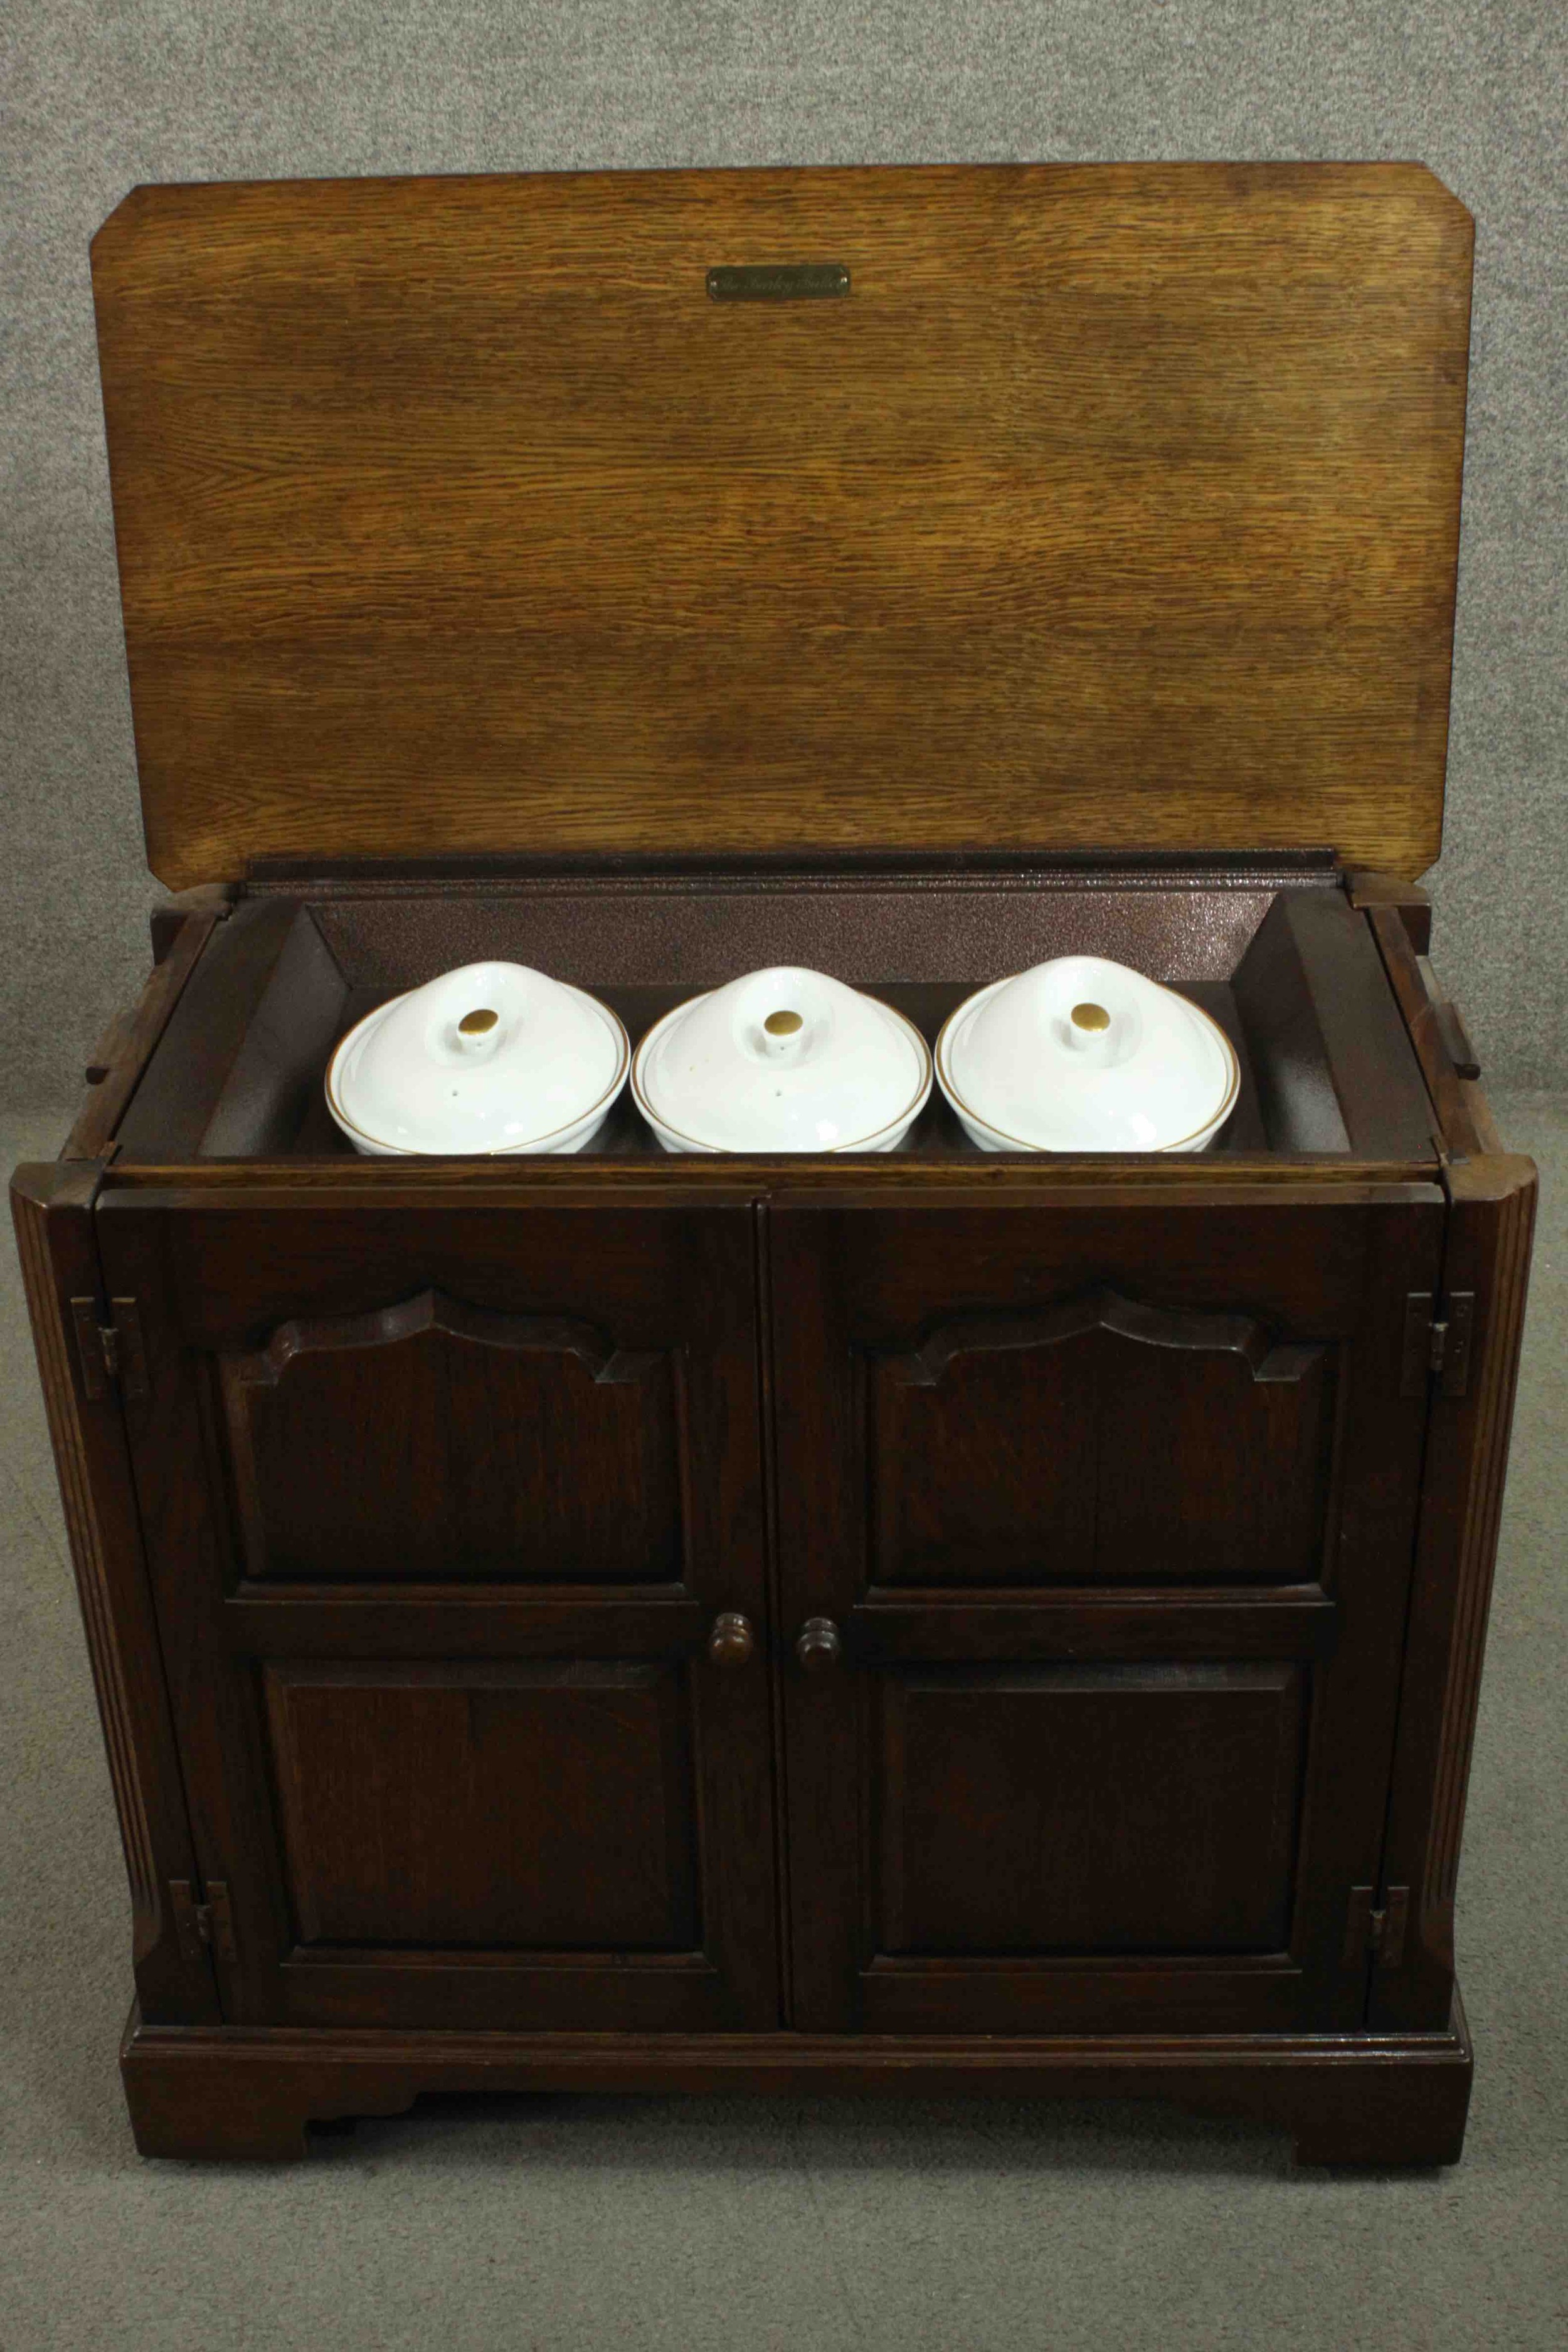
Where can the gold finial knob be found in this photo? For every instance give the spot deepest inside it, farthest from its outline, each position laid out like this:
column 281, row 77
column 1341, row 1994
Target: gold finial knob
column 782, row 1024
column 478, row 1024
column 1091, row 1017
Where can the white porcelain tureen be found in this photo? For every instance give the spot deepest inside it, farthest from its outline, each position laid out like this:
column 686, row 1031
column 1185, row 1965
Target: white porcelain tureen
column 781, row 1060
column 1083, row 1055
column 494, row 1057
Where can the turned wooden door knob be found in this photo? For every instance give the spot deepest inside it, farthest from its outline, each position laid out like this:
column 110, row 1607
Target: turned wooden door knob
column 818, row 1645
column 731, row 1640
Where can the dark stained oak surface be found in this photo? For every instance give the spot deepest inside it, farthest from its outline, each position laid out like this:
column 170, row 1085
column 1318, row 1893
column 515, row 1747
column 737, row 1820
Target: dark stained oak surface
column 1381, row 2098
column 1121, row 1617
column 1076, row 1429
column 1116, row 506
column 932, row 1623
column 1109, row 1823
column 550, row 1806
column 1071, row 1808
column 52, row 1207
column 437, row 1632
column 521, row 1448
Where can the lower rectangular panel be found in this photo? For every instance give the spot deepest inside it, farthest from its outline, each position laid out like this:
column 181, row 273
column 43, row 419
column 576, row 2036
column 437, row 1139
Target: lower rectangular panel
column 491, row 1807
column 507, row 1845
column 1079, row 1847
column 1104, row 1809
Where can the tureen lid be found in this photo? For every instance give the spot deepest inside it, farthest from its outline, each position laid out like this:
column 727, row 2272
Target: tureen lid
column 490, row 1057
column 781, row 1060
column 1083, row 1055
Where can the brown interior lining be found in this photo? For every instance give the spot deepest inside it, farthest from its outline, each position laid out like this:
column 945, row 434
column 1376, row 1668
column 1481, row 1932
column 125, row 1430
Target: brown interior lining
column 1290, row 973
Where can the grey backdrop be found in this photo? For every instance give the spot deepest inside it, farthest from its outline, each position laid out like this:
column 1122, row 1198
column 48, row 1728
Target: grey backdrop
column 104, row 93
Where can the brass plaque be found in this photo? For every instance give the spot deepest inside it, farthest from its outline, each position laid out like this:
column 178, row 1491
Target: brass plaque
column 780, row 281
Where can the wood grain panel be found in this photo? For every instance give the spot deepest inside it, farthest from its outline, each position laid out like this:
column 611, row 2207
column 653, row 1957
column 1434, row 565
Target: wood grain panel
column 1099, row 1440
column 1301, row 1285
column 433, row 1440
column 1409, row 976
column 553, row 1760
column 1115, row 506
column 509, row 1807
column 1088, row 1808
column 116, row 1062
column 1491, row 1226
column 52, row 1207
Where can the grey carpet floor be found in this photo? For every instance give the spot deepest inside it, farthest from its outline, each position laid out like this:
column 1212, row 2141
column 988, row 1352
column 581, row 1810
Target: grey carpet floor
column 824, row 2224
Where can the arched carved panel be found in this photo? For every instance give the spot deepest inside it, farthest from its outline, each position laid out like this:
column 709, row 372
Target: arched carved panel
column 1107, row 1310
column 1099, row 1438
column 434, row 1441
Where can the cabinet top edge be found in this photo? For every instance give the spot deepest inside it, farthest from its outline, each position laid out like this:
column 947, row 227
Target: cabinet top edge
column 750, row 1183
column 827, row 870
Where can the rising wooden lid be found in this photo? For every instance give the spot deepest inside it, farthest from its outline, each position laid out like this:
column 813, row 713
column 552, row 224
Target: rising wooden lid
column 1062, row 508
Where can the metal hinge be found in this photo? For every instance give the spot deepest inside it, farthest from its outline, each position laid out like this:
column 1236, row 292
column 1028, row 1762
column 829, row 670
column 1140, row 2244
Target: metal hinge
column 204, row 1924
column 112, row 1355
column 1377, row 1929
column 1437, row 1345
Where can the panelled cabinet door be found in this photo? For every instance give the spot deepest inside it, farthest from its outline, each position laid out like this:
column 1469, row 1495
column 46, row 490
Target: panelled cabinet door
column 1094, row 1531
column 456, row 1525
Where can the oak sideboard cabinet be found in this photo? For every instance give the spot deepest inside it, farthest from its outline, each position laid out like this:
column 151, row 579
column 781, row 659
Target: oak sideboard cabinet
column 932, row 1623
